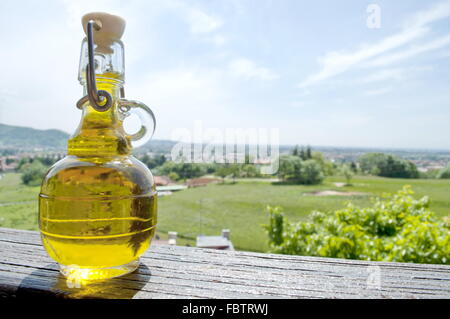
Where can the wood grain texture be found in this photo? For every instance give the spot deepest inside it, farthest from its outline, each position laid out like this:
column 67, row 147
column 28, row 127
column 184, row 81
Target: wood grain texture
column 184, row 272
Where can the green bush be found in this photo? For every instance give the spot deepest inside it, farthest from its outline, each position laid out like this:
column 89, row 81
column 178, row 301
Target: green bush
column 444, row 173
column 294, row 169
column 388, row 166
column 396, row 228
column 32, row 174
column 154, row 161
column 347, row 171
column 311, row 173
column 183, row 170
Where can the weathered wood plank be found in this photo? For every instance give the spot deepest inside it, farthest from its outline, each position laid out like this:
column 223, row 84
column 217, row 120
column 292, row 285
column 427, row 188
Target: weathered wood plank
column 184, row 272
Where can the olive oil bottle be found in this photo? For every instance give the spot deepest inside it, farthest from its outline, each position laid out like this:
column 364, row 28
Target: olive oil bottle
column 98, row 205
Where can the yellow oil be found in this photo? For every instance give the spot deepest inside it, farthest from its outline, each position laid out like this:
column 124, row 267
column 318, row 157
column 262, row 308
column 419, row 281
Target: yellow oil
column 97, row 206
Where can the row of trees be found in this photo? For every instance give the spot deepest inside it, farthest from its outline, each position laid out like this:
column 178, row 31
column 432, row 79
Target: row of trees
column 387, row 166
column 307, row 167
column 182, row 171
column 154, row 161
column 304, row 154
column 302, row 167
column 444, row 173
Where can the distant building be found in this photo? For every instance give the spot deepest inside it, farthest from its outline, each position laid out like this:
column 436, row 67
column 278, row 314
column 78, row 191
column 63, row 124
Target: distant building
column 165, row 186
column 171, row 241
column 173, row 238
column 4, row 167
column 170, row 188
column 163, row 180
column 203, row 181
column 216, row 242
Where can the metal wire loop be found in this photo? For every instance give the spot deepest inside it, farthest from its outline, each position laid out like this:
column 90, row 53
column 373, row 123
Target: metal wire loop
column 100, row 100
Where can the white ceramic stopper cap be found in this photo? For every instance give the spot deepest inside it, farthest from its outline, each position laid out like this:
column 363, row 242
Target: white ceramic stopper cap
column 112, row 28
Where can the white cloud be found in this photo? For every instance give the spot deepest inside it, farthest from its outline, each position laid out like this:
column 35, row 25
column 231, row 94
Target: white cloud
column 218, row 39
column 393, row 74
column 248, row 69
column 378, row 91
column 183, row 95
column 437, row 12
column 410, row 52
column 201, row 22
column 384, row 75
column 297, row 104
column 334, row 63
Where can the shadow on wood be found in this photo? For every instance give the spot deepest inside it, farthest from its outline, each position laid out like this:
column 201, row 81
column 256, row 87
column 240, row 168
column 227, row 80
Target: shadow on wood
column 47, row 282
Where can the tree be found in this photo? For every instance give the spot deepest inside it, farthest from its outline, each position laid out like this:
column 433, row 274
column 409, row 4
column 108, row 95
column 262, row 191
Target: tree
column 294, row 169
column 347, row 172
column 174, row 176
column 24, row 161
column 308, row 152
column 183, row 170
column 32, row 174
column 275, row 227
column 289, row 168
column 444, row 173
column 311, row 173
column 388, row 166
column 235, row 171
column 153, row 162
column 223, row 171
column 326, row 166
column 146, row 160
column 250, row 170
column 397, row 228
column 303, row 154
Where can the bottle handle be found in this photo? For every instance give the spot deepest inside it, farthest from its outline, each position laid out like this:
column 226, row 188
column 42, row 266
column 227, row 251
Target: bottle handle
column 145, row 115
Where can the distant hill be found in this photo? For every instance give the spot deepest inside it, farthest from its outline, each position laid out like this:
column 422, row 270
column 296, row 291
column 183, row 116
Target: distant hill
column 26, row 138
column 156, row 146
column 30, row 138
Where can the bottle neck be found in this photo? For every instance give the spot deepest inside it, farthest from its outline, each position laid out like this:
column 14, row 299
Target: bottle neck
column 101, row 134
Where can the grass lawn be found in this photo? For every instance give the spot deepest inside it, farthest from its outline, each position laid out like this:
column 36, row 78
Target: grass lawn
column 239, row 207
column 12, row 190
column 18, row 203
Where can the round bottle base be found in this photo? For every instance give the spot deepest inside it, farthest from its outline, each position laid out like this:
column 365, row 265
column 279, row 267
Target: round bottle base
column 76, row 275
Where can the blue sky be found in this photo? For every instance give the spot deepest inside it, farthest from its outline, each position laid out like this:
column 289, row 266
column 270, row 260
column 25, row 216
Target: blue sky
column 313, row 69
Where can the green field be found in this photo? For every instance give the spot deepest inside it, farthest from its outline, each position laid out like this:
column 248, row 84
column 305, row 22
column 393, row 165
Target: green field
column 239, row 207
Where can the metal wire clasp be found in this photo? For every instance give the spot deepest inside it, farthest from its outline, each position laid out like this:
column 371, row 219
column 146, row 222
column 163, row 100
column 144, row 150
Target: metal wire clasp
column 100, row 100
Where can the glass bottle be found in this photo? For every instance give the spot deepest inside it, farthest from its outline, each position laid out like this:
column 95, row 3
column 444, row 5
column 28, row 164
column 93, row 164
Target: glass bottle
column 97, row 206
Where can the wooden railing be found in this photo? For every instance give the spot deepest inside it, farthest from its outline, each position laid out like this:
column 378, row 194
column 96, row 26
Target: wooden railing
column 184, row 272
